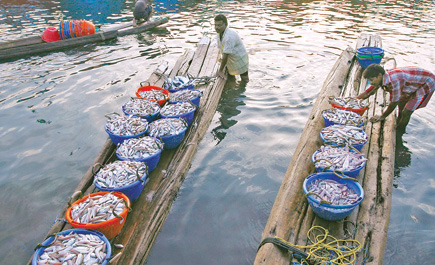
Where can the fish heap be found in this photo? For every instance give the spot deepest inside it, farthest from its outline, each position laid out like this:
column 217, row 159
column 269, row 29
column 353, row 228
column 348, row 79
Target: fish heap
column 126, row 125
column 338, row 158
column 349, row 102
column 139, row 148
column 97, row 209
column 169, row 126
column 342, row 134
column 141, row 107
column 73, row 248
column 339, row 116
column 332, row 191
column 184, row 95
column 120, row 174
column 178, row 82
column 177, row 108
column 153, row 94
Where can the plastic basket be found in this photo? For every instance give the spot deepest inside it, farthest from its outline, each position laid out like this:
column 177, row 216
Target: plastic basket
column 188, row 116
column 369, row 55
column 359, row 111
column 148, row 88
column 150, row 161
column 132, row 191
column 148, row 118
column 119, row 139
column 109, row 228
column 330, row 122
column 356, row 146
column 50, row 239
column 195, row 100
column 350, row 173
column 329, row 211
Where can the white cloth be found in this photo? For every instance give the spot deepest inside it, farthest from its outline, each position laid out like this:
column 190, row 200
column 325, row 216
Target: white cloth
column 232, row 45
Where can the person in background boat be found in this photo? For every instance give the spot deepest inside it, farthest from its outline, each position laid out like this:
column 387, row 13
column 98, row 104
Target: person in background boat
column 234, row 55
column 142, row 10
column 410, row 88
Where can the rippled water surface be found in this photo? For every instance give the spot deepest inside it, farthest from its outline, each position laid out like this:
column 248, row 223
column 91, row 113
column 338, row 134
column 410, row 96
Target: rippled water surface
column 52, row 110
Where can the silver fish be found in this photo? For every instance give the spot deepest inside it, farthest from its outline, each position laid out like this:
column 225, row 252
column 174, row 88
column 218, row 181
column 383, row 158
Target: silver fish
column 178, row 82
column 97, row 209
column 169, row 126
column 139, row 148
column 338, row 158
column 120, row 173
column 349, row 102
column 332, row 191
column 344, row 117
column 177, row 108
column 141, row 107
column 184, row 95
column 153, row 94
column 126, row 125
column 341, row 134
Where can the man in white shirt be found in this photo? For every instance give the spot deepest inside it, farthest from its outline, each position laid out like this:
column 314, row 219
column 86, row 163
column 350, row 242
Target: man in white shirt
column 234, row 55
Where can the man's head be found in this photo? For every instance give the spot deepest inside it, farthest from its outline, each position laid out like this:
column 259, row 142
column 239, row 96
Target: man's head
column 374, row 73
column 220, row 23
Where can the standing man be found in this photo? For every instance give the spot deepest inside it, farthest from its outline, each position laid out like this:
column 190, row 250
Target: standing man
column 234, row 55
column 410, row 88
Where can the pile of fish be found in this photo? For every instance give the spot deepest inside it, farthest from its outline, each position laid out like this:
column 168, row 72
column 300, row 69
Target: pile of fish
column 184, row 95
column 349, row 102
column 120, row 173
column 339, row 116
column 178, row 82
column 126, row 125
column 332, row 191
column 139, row 148
column 153, row 94
column 97, row 209
column 342, row 134
column 177, row 108
column 338, row 158
column 141, row 107
column 74, row 249
column 169, row 126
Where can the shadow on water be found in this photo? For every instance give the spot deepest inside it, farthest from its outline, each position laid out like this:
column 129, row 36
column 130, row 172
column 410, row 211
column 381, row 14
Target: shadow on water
column 402, row 157
column 231, row 98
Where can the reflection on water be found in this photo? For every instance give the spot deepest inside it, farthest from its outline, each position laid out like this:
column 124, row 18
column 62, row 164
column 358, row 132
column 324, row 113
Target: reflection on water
column 231, row 99
column 402, row 157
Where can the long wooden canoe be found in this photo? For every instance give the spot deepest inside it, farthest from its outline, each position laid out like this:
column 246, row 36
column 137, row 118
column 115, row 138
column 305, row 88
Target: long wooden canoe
column 291, row 217
column 34, row 45
column 152, row 207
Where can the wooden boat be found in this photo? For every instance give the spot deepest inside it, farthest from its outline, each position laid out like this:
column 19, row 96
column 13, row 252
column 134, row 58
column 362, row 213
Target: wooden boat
column 291, row 217
column 34, row 45
column 152, row 207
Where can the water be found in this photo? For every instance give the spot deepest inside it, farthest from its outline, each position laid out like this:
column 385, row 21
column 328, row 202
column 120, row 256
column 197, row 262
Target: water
column 52, row 111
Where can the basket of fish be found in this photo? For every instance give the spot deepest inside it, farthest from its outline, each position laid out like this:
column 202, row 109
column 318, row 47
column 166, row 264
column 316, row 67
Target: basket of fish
column 145, row 149
column 127, row 177
column 331, row 196
column 344, row 117
column 170, row 130
column 103, row 211
column 192, row 95
column 121, row 128
column 346, row 160
column 184, row 110
column 153, row 93
column 144, row 109
column 349, row 103
column 179, row 83
column 72, row 246
column 340, row 135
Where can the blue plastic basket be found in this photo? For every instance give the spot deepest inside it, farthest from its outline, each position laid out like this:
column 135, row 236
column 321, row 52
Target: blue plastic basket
column 49, row 240
column 150, row 161
column 118, row 139
column 188, row 116
column 191, row 86
column 195, row 100
column 369, row 55
column 329, row 122
column 356, row 146
column 329, row 211
column 173, row 141
column 350, row 173
column 148, row 118
column 132, row 191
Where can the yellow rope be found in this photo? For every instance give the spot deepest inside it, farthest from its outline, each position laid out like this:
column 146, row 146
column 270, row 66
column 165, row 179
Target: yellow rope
column 324, row 244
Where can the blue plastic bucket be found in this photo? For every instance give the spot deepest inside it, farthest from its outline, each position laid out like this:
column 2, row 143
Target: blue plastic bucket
column 330, row 122
column 188, row 116
column 173, row 141
column 356, row 146
column 49, row 240
column 132, row 191
column 369, row 55
column 195, row 100
column 118, row 139
column 350, row 173
column 329, row 211
column 148, row 118
column 150, row 161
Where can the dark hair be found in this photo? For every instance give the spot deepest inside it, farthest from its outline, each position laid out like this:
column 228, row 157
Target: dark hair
column 222, row 18
column 373, row 70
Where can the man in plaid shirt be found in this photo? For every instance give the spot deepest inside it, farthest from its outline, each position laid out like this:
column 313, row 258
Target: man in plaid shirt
column 234, row 55
column 410, row 88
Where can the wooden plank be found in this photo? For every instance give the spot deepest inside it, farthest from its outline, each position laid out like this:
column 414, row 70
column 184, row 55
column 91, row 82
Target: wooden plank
column 152, row 23
column 199, row 56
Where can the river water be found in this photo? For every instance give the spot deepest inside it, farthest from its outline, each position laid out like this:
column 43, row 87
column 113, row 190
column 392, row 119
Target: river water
column 52, row 110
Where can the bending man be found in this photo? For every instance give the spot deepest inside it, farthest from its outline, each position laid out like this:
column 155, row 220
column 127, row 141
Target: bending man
column 410, row 88
column 234, row 55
